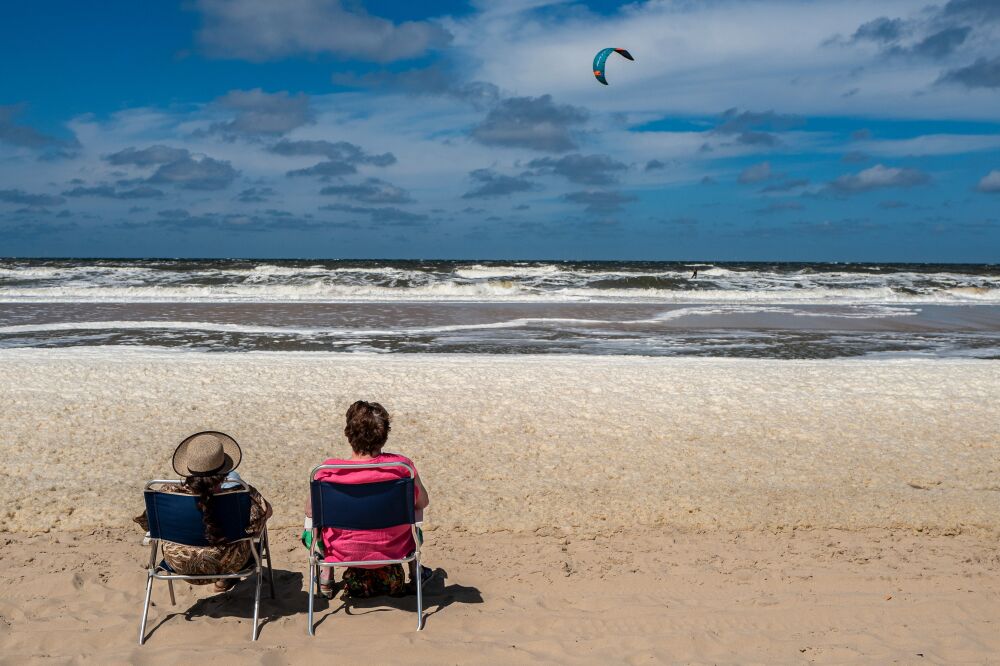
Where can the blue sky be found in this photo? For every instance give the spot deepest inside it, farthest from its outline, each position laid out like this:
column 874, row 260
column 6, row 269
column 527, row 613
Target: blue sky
column 745, row 129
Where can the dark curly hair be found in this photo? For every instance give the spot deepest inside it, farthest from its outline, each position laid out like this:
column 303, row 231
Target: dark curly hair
column 367, row 427
column 204, row 488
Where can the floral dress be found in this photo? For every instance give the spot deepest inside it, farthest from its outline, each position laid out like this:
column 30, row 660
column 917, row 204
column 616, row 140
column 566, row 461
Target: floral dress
column 364, row 583
column 208, row 560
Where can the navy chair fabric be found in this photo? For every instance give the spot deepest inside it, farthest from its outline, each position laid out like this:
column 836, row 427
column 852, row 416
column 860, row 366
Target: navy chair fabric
column 362, row 506
column 175, row 517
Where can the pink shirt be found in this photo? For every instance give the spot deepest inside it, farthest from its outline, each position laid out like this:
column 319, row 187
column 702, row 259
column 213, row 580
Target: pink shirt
column 390, row 543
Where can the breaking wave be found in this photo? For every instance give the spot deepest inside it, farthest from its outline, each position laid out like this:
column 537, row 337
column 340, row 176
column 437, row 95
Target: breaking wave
column 411, row 281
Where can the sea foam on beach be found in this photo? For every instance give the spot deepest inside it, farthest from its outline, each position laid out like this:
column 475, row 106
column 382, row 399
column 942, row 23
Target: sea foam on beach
column 589, row 444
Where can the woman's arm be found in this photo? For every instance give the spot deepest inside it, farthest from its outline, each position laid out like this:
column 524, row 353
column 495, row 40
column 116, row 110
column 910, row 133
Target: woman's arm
column 260, row 511
column 422, row 499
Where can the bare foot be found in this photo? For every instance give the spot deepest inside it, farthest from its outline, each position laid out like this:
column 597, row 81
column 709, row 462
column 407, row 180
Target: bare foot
column 225, row 584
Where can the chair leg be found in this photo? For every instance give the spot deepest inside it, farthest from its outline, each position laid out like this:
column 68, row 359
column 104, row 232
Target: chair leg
column 420, row 596
column 256, row 601
column 312, row 594
column 270, row 565
column 145, row 608
column 170, row 584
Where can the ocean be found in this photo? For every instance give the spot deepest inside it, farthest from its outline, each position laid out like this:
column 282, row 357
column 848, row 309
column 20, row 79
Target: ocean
column 725, row 309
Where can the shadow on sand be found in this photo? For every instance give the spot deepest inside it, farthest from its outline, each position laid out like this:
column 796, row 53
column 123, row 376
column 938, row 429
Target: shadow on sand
column 290, row 599
column 438, row 595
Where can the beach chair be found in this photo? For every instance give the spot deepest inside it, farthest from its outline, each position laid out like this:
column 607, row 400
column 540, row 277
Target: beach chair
column 361, row 506
column 176, row 518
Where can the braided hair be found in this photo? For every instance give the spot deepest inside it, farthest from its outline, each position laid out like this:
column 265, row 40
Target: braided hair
column 204, row 487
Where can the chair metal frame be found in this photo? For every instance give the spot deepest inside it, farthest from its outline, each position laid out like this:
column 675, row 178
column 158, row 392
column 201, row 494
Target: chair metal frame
column 316, row 562
column 260, row 549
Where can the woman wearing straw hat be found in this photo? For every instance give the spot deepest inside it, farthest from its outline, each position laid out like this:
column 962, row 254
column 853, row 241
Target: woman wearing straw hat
column 205, row 461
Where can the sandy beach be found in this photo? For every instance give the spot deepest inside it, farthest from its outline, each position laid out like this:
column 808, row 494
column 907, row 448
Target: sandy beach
column 633, row 596
column 584, row 509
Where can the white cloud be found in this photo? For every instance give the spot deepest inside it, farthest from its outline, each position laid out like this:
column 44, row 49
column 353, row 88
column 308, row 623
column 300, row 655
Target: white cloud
column 261, row 30
column 696, row 58
column 703, row 57
column 990, row 182
column 261, row 113
column 878, row 177
column 755, row 173
column 931, row 144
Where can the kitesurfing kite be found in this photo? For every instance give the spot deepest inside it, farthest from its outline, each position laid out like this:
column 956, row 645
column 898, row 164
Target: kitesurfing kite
column 602, row 57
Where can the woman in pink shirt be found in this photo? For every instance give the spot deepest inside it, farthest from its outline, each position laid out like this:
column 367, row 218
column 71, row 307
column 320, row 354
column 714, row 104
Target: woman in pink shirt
column 367, row 431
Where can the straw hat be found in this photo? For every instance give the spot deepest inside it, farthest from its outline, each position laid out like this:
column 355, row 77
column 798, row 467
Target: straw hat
column 206, row 454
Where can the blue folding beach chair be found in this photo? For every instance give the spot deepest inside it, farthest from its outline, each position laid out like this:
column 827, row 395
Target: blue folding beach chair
column 362, row 506
column 176, row 518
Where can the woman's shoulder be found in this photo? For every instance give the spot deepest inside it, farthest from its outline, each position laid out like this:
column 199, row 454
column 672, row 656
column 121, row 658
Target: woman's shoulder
column 387, row 456
column 366, row 470
column 254, row 493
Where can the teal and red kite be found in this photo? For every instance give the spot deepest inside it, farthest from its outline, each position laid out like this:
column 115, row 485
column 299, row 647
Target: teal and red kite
column 602, row 57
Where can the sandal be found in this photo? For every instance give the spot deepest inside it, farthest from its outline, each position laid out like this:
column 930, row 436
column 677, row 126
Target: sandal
column 225, row 584
column 326, row 588
column 426, row 575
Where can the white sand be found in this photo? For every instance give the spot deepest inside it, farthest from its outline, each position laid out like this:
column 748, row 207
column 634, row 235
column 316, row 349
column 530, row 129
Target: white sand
column 643, row 596
column 648, row 501
column 580, row 444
